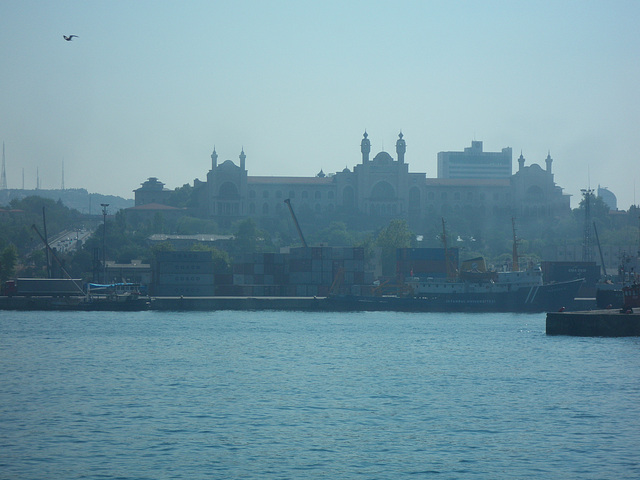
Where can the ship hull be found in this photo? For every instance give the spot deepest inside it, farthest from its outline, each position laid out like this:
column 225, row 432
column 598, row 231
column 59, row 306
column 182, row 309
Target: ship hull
column 542, row 298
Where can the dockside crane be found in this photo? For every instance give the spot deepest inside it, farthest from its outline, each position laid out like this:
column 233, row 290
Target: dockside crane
column 295, row 220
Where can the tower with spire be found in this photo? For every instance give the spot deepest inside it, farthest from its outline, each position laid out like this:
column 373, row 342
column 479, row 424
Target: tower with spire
column 365, row 147
column 214, row 159
column 401, row 148
column 242, row 158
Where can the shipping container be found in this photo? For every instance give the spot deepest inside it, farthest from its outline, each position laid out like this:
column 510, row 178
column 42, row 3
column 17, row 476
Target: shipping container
column 183, row 290
column 183, row 256
column 184, row 267
column 49, row 286
column 180, row 279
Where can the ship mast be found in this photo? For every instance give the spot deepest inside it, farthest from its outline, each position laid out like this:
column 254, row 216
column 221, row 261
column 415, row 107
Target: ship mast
column 447, row 259
column 516, row 266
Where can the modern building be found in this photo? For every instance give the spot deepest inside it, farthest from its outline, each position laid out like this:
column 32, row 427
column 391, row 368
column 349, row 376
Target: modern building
column 380, row 188
column 474, row 163
column 608, row 197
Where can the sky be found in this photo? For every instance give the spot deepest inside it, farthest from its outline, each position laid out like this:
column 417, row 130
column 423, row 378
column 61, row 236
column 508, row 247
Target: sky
column 149, row 88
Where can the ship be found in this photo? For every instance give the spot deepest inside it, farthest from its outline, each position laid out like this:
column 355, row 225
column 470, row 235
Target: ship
column 474, row 288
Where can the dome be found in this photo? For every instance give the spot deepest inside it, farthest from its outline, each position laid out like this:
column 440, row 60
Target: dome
column 228, row 164
column 383, row 158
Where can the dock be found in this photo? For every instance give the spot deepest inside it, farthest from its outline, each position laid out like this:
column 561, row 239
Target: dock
column 594, row 323
column 310, row 304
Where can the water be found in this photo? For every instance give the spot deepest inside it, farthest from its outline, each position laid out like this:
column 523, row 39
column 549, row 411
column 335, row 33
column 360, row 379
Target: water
column 273, row 395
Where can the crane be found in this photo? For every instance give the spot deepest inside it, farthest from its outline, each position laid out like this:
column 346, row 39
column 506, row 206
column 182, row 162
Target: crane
column 295, row 220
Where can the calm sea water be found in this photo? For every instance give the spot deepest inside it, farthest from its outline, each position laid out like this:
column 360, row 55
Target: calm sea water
column 275, row 395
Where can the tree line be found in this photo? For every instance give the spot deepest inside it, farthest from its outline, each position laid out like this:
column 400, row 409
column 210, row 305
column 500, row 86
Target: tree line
column 126, row 237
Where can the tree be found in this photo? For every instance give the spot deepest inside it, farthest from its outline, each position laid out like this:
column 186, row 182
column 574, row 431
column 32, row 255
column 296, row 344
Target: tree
column 395, row 235
column 247, row 237
column 221, row 261
column 8, row 260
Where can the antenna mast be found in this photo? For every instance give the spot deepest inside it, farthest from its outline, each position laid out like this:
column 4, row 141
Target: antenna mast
column 3, row 180
column 587, row 251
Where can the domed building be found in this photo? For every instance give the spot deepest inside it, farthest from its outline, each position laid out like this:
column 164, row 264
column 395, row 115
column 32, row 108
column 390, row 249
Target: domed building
column 381, row 188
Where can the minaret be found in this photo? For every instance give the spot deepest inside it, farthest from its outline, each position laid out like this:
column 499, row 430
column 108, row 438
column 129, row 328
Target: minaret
column 3, row 180
column 62, row 188
column 549, row 161
column 520, row 161
column 365, row 147
column 401, row 147
column 214, row 159
column 37, row 178
column 242, row 157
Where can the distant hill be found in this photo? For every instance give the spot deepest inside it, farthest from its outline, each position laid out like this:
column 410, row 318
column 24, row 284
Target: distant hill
column 76, row 198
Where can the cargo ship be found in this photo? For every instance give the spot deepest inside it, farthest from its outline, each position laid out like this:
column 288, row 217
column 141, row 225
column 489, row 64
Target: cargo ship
column 473, row 288
column 516, row 291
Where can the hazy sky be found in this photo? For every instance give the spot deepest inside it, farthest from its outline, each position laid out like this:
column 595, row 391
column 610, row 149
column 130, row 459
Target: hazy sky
column 150, row 87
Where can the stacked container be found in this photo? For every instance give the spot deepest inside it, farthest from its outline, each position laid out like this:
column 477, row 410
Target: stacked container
column 183, row 273
column 303, row 272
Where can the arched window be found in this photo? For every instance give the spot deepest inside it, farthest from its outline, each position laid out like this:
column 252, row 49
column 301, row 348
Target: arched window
column 265, row 208
column 382, row 191
column 228, row 190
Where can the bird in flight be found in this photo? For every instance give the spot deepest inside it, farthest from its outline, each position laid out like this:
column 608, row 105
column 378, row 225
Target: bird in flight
column 68, row 38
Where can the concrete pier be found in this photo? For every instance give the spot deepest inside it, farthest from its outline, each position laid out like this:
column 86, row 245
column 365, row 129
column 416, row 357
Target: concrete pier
column 239, row 303
column 595, row 323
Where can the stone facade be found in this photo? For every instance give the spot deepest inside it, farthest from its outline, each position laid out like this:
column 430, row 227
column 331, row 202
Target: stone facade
column 378, row 189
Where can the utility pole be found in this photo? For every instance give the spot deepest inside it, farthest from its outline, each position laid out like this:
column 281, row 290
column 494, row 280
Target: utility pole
column 104, row 241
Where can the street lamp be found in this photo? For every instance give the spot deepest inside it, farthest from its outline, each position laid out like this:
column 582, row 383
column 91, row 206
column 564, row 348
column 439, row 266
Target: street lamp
column 104, row 237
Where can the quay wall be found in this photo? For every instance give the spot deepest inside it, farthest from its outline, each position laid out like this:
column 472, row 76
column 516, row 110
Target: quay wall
column 596, row 323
